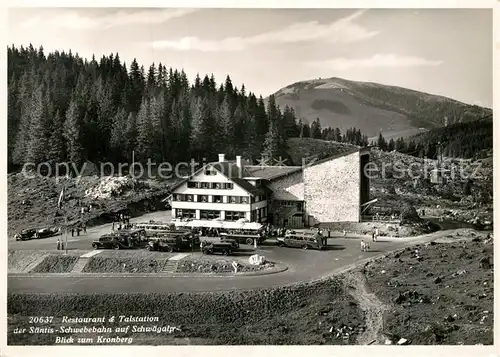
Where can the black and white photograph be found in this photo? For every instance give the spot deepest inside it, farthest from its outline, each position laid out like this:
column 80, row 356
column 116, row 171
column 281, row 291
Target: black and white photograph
column 249, row 176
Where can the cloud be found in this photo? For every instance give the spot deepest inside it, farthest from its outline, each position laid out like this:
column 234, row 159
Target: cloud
column 76, row 20
column 343, row 30
column 377, row 60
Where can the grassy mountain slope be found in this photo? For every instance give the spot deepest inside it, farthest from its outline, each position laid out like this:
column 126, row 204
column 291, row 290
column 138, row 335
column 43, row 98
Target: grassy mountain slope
column 374, row 107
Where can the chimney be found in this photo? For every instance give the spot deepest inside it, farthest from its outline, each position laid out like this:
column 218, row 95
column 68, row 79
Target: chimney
column 221, row 158
column 239, row 164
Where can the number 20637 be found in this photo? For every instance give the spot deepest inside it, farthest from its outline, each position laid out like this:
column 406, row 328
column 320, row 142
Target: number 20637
column 40, row 319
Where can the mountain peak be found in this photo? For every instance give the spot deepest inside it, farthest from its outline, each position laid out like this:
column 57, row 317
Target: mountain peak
column 373, row 107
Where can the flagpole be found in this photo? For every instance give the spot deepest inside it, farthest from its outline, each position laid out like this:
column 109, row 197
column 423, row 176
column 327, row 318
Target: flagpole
column 59, row 207
column 66, row 232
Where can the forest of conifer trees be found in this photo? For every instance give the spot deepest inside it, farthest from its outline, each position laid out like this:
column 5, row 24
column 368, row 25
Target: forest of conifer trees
column 470, row 140
column 64, row 108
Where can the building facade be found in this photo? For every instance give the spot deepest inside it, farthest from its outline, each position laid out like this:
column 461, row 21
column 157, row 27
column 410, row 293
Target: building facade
column 218, row 191
column 330, row 190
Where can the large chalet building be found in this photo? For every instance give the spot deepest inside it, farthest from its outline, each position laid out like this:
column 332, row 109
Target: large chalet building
column 329, row 190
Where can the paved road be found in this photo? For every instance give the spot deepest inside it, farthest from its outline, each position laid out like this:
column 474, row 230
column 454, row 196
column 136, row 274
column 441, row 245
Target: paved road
column 304, row 265
column 83, row 241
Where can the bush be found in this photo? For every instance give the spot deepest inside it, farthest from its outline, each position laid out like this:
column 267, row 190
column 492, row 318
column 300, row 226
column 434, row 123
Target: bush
column 409, row 214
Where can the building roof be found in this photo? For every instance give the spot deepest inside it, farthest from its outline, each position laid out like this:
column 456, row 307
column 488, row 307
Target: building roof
column 232, row 172
column 336, row 156
column 274, row 172
column 267, row 173
column 271, row 172
column 247, row 186
column 283, row 195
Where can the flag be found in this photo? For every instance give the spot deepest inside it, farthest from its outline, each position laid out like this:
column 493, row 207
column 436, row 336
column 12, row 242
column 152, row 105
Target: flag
column 61, row 197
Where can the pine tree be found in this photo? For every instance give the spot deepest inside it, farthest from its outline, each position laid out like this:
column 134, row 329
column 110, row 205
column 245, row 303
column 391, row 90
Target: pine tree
column 144, row 132
column 272, row 149
column 136, row 87
column 196, row 137
column 118, row 139
column 38, row 144
column 338, row 135
column 72, row 132
column 56, row 150
column 316, row 129
column 306, row 131
column 290, row 122
column 381, row 143
column 105, row 114
column 157, row 113
column 22, row 136
column 227, row 126
column 391, row 145
column 12, row 117
column 130, row 135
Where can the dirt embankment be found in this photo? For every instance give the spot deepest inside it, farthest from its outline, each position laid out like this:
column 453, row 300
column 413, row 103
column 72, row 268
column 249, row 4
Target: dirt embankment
column 372, row 307
column 437, row 293
column 384, row 228
column 32, row 202
column 305, row 314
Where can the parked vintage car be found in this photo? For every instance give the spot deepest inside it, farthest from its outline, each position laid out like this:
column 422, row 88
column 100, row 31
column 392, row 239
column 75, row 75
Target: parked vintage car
column 48, row 232
column 225, row 248
column 244, row 236
column 234, row 243
column 123, row 239
column 301, row 240
column 165, row 244
column 32, row 233
column 26, row 234
column 189, row 240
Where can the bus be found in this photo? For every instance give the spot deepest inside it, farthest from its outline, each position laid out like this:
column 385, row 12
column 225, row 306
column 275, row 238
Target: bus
column 243, row 235
column 240, row 231
column 154, row 229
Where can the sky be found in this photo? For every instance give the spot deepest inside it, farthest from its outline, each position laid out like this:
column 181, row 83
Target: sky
column 438, row 51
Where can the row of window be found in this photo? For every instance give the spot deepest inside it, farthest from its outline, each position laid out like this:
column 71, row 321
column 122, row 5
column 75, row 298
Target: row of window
column 258, row 214
column 234, row 216
column 298, row 204
column 209, row 214
column 211, row 185
column 205, row 198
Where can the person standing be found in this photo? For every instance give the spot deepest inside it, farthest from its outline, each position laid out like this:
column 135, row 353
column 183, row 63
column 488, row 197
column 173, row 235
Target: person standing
column 329, row 232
